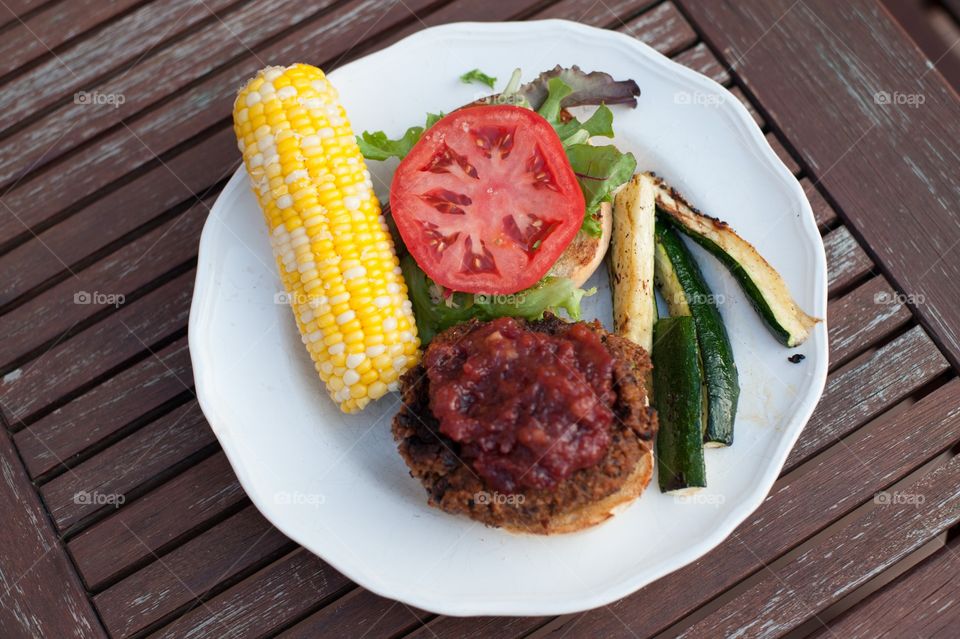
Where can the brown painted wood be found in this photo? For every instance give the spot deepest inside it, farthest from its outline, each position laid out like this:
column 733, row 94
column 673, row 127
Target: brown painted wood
column 360, row 613
column 52, row 26
column 701, row 59
column 663, row 28
column 898, row 148
column 61, row 437
column 230, row 548
column 41, row 594
column 835, row 566
column 921, row 603
column 843, row 476
column 97, row 225
column 846, row 261
column 188, row 113
column 46, row 317
column 117, row 471
column 267, row 600
column 66, row 367
column 11, row 10
column 148, row 525
column 863, row 317
column 480, row 627
column 788, row 160
column 206, row 49
column 822, row 211
column 118, row 45
column 857, row 394
column 608, row 14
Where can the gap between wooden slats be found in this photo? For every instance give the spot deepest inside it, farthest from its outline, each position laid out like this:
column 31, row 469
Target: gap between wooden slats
column 193, row 110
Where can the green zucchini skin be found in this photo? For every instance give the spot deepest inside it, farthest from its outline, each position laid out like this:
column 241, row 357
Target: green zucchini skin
column 757, row 299
column 719, row 368
column 676, row 393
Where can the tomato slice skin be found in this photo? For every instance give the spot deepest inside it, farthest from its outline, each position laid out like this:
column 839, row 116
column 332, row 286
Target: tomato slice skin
column 486, row 201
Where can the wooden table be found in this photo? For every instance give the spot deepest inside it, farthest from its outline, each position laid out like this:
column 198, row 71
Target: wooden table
column 121, row 516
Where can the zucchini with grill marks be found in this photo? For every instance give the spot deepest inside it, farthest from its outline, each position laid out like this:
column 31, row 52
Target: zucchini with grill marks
column 764, row 287
column 683, row 287
column 676, row 392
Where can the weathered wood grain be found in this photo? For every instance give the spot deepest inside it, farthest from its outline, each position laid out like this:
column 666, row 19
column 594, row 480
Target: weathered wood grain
column 862, row 317
column 663, row 28
column 822, row 211
column 480, row 627
column 925, row 602
column 841, row 562
column 11, row 10
column 701, row 59
column 871, row 141
column 68, row 366
column 40, row 594
column 177, row 578
column 117, row 471
column 202, row 107
column 150, row 524
column 62, row 436
column 218, row 41
column 94, row 227
column 859, row 393
column 596, row 14
column 360, row 613
column 789, row 161
column 104, row 285
column 117, row 46
column 844, row 477
column 846, row 261
column 263, row 602
column 53, row 25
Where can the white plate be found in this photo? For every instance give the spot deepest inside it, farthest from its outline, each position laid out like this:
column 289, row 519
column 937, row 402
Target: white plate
column 335, row 483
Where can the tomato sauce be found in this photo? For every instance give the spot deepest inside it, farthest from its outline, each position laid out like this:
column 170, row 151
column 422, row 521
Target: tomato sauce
column 528, row 408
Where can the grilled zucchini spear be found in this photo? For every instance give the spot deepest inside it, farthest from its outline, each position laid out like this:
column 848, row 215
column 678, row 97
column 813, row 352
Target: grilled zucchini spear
column 631, row 263
column 765, row 288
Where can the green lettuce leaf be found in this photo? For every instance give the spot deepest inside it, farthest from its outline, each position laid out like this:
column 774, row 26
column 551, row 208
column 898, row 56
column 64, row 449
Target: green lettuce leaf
column 375, row 145
column 476, row 75
column 436, row 312
column 600, row 170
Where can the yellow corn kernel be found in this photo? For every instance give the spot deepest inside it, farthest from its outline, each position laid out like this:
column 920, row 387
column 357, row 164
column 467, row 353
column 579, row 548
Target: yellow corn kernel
column 335, row 256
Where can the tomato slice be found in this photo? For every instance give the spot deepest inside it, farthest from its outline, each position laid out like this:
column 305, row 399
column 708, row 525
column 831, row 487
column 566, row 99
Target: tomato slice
column 486, row 201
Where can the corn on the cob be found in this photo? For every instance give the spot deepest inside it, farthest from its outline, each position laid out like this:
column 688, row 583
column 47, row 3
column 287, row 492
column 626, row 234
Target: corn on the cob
column 332, row 245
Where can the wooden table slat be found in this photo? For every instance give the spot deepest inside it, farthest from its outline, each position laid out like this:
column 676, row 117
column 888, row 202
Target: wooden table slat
column 360, row 613
column 68, row 367
column 857, row 394
column 216, row 43
column 117, row 46
column 822, row 211
column 784, row 599
column 862, row 317
column 202, row 108
column 35, row 575
column 850, row 106
column 921, row 603
column 263, row 602
column 798, row 506
column 96, row 416
column 104, row 285
column 148, row 596
column 132, row 535
column 701, row 59
column 121, row 468
column 54, row 25
column 846, row 260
